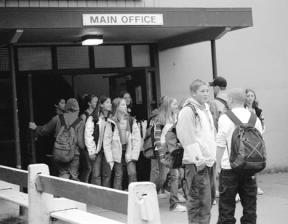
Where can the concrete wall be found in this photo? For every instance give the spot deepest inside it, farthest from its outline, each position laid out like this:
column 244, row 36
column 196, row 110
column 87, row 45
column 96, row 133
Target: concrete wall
column 254, row 57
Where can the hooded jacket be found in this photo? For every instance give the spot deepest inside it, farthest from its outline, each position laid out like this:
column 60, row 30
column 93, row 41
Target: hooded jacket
column 112, row 143
column 196, row 133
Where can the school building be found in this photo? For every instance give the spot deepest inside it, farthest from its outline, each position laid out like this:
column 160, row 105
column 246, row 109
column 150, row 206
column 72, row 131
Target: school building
column 148, row 47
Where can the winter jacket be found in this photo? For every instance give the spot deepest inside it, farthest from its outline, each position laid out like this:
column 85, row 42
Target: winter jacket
column 196, row 133
column 112, row 143
column 93, row 145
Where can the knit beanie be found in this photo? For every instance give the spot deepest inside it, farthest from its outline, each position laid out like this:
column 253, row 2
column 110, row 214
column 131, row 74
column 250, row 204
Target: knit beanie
column 72, row 105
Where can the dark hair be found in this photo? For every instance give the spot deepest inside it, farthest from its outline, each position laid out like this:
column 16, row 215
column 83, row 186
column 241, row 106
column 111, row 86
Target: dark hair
column 255, row 103
column 122, row 93
column 84, row 102
column 95, row 114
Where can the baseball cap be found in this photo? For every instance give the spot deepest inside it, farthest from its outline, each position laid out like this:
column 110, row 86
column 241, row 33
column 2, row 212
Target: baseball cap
column 219, row 81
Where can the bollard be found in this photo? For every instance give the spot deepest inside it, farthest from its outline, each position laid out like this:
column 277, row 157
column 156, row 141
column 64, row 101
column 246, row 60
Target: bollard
column 38, row 201
column 143, row 206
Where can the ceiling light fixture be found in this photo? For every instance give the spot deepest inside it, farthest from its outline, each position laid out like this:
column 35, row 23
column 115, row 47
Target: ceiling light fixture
column 92, row 40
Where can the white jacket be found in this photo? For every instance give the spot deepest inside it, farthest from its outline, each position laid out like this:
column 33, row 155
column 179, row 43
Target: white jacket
column 197, row 136
column 113, row 147
column 89, row 138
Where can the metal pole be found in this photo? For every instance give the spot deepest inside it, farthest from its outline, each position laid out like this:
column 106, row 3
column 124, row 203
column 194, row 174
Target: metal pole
column 214, row 58
column 15, row 107
column 31, row 116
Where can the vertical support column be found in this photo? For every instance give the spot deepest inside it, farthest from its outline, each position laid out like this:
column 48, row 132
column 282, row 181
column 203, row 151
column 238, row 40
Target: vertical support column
column 214, row 58
column 15, row 106
column 38, row 211
column 31, row 117
column 154, row 53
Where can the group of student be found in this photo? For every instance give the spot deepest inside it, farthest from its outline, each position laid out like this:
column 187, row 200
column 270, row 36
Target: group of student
column 110, row 142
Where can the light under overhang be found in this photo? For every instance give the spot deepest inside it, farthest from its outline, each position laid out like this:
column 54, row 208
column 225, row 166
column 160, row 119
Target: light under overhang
column 89, row 40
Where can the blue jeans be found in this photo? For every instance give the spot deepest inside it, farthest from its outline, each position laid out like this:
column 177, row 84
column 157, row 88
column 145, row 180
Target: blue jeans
column 101, row 174
column 68, row 170
column 199, row 201
column 158, row 174
column 119, row 168
column 174, row 177
column 231, row 183
column 85, row 166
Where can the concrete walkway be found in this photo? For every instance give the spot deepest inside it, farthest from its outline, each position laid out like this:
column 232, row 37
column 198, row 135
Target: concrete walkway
column 272, row 206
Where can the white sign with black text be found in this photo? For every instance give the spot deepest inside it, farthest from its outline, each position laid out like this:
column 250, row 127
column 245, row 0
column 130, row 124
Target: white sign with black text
column 123, row 19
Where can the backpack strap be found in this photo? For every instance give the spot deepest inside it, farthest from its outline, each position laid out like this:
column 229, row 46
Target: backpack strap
column 233, row 118
column 223, row 102
column 252, row 120
column 62, row 120
column 75, row 123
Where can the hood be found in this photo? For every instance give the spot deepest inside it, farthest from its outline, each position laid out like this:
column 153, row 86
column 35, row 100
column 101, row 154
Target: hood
column 195, row 103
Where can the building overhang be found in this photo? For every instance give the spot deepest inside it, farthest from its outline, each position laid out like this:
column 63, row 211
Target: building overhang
column 181, row 26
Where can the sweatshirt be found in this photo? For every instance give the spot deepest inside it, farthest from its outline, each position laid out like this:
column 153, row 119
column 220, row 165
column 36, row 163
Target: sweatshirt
column 196, row 133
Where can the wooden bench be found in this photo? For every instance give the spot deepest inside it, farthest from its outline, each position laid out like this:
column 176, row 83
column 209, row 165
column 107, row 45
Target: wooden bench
column 76, row 216
column 14, row 196
column 140, row 204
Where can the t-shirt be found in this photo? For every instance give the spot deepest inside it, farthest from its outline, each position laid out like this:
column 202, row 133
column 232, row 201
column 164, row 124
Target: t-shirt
column 225, row 131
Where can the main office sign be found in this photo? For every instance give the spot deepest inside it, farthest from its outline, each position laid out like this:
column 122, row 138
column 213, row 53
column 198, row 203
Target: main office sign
column 123, row 20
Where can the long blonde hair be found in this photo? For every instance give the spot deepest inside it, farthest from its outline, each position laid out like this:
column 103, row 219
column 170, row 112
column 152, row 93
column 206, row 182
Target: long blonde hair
column 115, row 104
column 165, row 111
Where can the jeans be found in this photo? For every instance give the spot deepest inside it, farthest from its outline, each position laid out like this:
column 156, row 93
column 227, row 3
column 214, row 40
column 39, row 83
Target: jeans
column 101, row 174
column 68, row 170
column 231, row 183
column 85, row 166
column 119, row 171
column 199, row 194
column 158, row 173
column 174, row 177
column 212, row 177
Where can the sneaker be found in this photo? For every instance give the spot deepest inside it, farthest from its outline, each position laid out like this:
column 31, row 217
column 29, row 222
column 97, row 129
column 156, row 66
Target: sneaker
column 237, row 199
column 162, row 195
column 260, row 191
column 179, row 208
column 214, row 202
column 181, row 198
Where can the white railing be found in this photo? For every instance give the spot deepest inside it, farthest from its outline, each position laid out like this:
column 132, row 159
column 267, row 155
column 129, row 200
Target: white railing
column 51, row 198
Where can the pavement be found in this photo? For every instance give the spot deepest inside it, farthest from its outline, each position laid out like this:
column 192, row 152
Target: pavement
column 272, row 206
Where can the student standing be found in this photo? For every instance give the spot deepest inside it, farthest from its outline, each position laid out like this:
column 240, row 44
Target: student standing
column 89, row 105
column 231, row 182
column 122, row 142
column 196, row 132
column 252, row 105
column 94, row 135
column 69, row 170
column 163, row 122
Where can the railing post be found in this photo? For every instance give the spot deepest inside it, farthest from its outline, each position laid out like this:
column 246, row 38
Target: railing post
column 38, row 211
column 143, row 206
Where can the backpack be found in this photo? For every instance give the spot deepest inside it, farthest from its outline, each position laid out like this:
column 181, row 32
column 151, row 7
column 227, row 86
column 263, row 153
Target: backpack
column 148, row 143
column 172, row 159
column 66, row 141
column 248, row 151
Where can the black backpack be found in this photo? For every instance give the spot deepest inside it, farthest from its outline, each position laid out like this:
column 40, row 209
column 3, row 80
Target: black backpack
column 148, row 144
column 248, row 151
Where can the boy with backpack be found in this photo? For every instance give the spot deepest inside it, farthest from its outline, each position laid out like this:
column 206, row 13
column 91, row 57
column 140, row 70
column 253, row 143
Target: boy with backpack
column 196, row 132
column 240, row 154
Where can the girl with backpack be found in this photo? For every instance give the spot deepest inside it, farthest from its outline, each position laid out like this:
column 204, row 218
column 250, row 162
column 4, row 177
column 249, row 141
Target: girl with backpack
column 89, row 104
column 252, row 105
column 163, row 122
column 122, row 142
column 94, row 135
